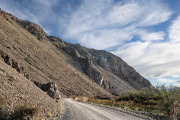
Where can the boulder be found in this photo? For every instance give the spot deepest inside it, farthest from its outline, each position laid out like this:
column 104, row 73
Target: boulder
column 51, row 89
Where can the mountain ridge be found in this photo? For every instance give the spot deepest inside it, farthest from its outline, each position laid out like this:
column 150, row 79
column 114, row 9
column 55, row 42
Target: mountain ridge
column 73, row 67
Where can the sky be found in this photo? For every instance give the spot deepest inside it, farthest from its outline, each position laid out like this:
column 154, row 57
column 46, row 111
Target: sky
column 144, row 33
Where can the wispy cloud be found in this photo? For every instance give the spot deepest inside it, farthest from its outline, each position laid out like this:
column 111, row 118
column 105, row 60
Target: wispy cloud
column 147, row 36
column 125, row 27
column 169, row 81
column 166, row 80
column 157, row 59
column 111, row 25
column 104, row 24
column 38, row 11
column 174, row 31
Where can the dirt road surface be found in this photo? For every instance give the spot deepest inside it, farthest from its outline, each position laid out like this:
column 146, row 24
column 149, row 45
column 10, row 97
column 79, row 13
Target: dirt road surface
column 83, row 111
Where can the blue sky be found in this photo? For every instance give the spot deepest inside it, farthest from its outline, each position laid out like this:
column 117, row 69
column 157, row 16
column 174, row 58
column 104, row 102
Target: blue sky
column 144, row 33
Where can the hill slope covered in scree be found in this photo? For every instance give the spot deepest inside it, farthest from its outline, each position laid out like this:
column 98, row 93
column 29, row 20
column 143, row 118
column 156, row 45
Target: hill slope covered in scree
column 77, row 71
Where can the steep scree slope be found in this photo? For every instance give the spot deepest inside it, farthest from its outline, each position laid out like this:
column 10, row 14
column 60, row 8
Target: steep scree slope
column 35, row 55
column 19, row 91
column 75, row 69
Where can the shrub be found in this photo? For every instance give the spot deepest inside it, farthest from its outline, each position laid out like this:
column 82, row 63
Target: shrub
column 159, row 99
column 25, row 112
column 49, row 115
column 170, row 101
column 2, row 101
column 1, row 58
column 2, row 112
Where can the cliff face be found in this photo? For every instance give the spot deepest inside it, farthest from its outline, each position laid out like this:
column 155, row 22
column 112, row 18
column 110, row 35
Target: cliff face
column 77, row 71
column 107, row 70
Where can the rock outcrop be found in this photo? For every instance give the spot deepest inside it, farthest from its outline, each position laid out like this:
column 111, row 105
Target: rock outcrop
column 6, row 58
column 106, row 69
column 17, row 92
column 51, row 89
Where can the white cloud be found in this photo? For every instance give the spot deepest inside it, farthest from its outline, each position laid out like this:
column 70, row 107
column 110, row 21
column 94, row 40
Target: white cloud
column 104, row 24
column 169, row 81
column 99, row 39
column 11, row 7
column 155, row 17
column 177, row 84
column 46, row 3
column 148, row 36
column 174, row 31
column 152, row 59
column 37, row 11
column 166, row 80
column 148, row 56
column 122, row 14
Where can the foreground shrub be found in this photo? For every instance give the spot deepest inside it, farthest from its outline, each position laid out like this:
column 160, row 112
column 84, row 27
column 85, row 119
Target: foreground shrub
column 1, row 58
column 170, row 101
column 25, row 113
column 2, row 112
column 159, row 99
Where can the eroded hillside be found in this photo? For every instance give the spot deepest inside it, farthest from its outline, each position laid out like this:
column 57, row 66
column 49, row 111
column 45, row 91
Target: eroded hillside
column 17, row 91
column 38, row 59
column 76, row 70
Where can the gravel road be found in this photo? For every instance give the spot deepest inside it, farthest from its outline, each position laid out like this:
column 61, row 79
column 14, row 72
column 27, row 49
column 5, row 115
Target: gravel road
column 83, row 111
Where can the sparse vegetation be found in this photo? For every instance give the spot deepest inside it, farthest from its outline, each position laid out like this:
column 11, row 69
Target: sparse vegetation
column 83, row 99
column 1, row 58
column 2, row 101
column 61, row 106
column 161, row 99
column 2, row 112
column 49, row 115
column 26, row 112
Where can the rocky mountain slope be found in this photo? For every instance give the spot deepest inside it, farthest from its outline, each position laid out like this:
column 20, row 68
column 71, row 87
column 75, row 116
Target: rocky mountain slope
column 25, row 47
column 18, row 91
column 77, row 71
column 107, row 70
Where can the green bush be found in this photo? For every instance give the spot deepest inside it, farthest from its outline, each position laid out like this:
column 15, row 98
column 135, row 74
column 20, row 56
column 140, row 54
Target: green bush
column 159, row 99
column 170, row 101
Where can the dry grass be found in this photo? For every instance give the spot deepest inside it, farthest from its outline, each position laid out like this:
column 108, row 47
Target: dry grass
column 61, row 106
column 26, row 112
column 49, row 115
column 164, row 100
column 82, row 99
column 1, row 58
column 2, row 112
column 2, row 101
